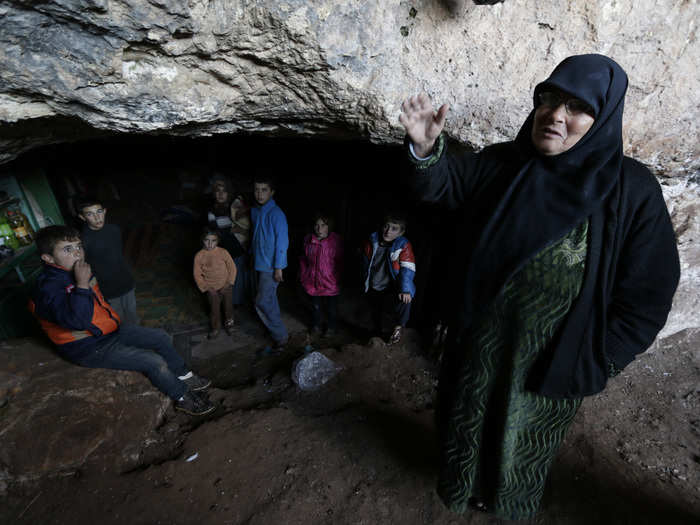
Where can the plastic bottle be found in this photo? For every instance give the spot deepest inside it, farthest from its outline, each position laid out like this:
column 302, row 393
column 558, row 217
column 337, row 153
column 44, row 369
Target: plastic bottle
column 7, row 235
column 20, row 226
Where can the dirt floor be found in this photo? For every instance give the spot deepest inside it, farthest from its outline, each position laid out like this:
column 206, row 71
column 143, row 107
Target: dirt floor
column 361, row 450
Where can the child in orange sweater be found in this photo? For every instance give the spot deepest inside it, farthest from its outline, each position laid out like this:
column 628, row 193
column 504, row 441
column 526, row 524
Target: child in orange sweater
column 215, row 273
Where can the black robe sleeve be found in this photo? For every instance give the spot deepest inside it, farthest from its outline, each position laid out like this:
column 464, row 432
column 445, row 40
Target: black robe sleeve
column 451, row 180
column 646, row 273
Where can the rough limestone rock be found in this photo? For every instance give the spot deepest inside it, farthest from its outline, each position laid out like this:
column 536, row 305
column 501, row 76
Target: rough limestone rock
column 683, row 201
column 334, row 67
column 57, row 418
column 72, row 69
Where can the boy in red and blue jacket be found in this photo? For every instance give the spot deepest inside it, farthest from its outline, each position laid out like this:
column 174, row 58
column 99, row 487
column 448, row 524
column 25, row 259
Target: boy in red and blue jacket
column 389, row 269
column 87, row 331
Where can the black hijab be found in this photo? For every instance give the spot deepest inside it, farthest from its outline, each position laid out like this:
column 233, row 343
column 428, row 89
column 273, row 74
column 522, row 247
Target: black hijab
column 549, row 195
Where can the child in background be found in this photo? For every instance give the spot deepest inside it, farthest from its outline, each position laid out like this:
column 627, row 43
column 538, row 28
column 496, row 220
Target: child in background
column 389, row 270
column 320, row 268
column 241, row 229
column 222, row 218
column 215, row 273
column 103, row 251
column 240, row 219
column 269, row 249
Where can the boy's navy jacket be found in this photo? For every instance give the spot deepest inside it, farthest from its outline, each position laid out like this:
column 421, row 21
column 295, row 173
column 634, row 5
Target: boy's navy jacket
column 402, row 262
column 270, row 240
column 76, row 320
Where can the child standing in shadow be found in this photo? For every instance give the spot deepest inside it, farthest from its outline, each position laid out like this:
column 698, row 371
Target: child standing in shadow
column 320, row 269
column 389, row 269
column 215, row 273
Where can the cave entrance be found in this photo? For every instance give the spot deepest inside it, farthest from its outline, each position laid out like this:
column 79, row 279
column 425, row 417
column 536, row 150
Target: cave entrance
column 158, row 190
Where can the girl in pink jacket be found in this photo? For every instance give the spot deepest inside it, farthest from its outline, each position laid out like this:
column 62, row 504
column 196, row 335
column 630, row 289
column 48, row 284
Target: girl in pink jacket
column 320, row 267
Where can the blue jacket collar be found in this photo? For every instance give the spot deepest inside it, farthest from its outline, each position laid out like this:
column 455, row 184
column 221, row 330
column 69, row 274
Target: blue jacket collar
column 268, row 205
column 58, row 270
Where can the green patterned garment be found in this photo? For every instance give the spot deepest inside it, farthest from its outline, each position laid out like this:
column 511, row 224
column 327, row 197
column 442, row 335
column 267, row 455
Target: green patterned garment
column 500, row 439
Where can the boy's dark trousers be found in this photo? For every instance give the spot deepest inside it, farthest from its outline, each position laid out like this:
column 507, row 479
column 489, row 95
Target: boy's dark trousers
column 242, row 287
column 146, row 350
column 400, row 311
column 331, row 310
column 215, row 297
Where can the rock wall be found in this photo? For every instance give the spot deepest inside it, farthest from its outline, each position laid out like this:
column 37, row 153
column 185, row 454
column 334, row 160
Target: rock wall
column 337, row 67
column 74, row 68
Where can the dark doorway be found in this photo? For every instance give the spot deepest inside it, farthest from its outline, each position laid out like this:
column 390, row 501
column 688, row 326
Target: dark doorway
column 151, row 184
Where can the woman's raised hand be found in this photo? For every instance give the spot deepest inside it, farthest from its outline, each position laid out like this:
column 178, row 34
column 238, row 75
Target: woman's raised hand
column 423, row 125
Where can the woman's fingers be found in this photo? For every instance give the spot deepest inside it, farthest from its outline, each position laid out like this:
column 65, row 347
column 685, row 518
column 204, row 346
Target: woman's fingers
column 439, row 121
column 442, row 115
column 420, row 119
column 416, row 103
column 421, row 104
column 424, row 103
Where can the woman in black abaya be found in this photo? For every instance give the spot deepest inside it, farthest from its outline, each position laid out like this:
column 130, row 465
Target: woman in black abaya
column 565, row 270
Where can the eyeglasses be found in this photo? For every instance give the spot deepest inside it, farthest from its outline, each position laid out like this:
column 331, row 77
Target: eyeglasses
column 574, row 106
column 69, row 249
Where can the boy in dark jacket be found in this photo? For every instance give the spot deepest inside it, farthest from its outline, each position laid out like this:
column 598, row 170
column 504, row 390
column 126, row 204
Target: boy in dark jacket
column 86, row 330
column 389, row 268
column 103, row 251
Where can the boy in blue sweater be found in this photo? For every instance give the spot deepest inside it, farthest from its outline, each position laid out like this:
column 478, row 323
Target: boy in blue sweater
column 269, row 249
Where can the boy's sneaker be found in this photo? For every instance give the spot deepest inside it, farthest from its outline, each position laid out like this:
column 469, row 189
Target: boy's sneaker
column 194, row 405
column 228, row 326
column 396, row 335
column 196, row 383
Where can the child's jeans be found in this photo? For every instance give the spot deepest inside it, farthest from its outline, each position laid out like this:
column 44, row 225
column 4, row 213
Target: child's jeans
column 331, row 310
column 268, row 308
column 145, row 350
column 216, row 297
column 400, row 311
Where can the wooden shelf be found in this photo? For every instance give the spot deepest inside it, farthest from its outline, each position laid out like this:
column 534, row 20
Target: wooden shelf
column 14, row 262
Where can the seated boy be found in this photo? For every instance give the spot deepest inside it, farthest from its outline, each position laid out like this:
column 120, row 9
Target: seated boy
column 103, row 251
column 389, row 267
column 269, row 248
column 86, row 330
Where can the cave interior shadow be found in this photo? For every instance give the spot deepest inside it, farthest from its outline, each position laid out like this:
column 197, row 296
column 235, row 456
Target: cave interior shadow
column 574, row 494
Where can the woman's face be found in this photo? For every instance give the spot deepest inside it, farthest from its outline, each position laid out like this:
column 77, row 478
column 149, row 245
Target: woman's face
column 556, row 128
column 321, row 229
column 220, row 194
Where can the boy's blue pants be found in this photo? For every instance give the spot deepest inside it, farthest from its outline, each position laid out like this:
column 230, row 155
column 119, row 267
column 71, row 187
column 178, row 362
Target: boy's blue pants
column 145, row 350
column 268, row 308
column 243, row 284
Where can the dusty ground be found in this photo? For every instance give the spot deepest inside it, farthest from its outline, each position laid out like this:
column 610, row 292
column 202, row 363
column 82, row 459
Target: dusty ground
column 362, row 449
